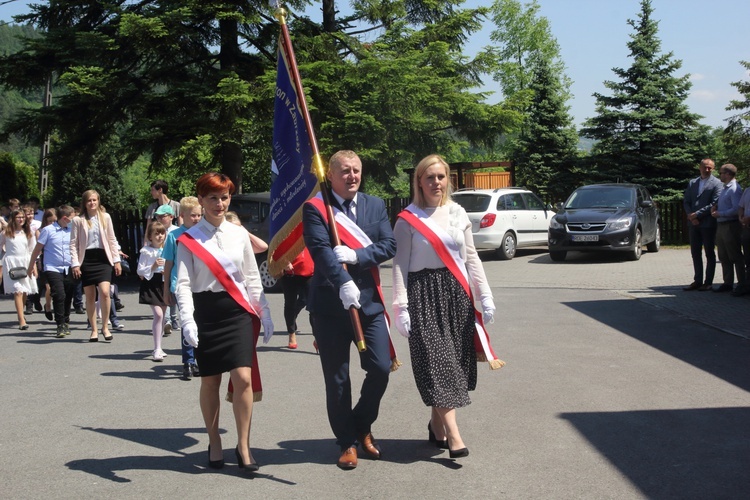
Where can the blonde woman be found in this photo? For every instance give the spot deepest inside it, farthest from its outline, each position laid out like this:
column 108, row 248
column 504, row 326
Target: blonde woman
column 94, row 252
column 434, row 271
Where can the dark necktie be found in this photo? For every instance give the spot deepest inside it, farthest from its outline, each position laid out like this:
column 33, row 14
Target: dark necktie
column 348, row 210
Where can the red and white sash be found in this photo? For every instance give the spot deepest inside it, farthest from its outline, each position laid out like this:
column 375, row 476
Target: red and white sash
column 448, row 251
column 352, row 236
column 222, row 267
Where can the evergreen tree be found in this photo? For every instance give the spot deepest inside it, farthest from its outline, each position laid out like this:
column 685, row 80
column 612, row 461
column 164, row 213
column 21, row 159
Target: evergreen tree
column 644, row 130
column 546, row 150
column 191, row 84
column 531, row 76
column 736, row 136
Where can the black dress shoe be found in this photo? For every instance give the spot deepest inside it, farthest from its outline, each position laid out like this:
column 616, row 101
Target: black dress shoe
column 706, row 287
column 242, row 465
column 460, row 453
column 442, row 445
column 48, row 315
column 214, row 464
column 186, row 375
column 692, row 286
column 723, row 288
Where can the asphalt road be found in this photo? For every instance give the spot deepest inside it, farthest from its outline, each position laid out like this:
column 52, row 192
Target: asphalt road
column 618, row 385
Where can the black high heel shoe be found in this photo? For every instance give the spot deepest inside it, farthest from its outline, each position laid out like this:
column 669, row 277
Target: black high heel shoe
column 442, row 445
column 460, row 453
column 214, row 464
column 242, row 465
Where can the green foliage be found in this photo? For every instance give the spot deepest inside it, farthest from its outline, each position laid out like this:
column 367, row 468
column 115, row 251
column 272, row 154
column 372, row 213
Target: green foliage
column 644, row 130
column 531, row 76
column 521, row 37
column 20, row 179
column 546, row 153
column 736, row 136
column 189, row 85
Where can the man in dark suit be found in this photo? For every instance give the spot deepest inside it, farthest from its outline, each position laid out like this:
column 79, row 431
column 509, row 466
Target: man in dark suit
column 701, row 194
column 333, row 290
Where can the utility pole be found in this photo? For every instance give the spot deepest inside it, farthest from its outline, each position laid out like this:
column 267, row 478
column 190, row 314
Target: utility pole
column 44, row 161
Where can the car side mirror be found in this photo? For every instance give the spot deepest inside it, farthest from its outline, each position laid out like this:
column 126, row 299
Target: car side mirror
column 647, row 203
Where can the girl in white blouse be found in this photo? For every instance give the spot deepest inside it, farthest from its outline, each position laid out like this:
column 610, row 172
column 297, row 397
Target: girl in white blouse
column 151, row 271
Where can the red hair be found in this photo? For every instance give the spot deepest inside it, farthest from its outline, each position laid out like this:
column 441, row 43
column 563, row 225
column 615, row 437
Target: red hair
column 213, row 182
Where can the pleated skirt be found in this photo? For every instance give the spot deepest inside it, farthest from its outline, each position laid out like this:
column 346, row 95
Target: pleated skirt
column 225, row 333
column 441, row 344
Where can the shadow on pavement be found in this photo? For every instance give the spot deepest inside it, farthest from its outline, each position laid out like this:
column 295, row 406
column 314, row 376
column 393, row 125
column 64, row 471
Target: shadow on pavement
column 685, row 453
column 723, row 356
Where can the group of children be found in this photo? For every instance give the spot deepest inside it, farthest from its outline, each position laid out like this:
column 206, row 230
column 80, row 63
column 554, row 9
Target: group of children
column 156, row 262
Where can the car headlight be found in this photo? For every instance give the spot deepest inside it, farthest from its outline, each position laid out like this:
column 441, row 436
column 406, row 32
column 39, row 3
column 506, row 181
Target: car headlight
column 620, row 224
column 553, row 224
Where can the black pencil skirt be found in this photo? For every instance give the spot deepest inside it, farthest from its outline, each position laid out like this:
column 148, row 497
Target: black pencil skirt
column 96, row 267
column 225, row 333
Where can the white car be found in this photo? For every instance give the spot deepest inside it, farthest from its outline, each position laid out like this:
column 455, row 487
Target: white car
column 505, row 219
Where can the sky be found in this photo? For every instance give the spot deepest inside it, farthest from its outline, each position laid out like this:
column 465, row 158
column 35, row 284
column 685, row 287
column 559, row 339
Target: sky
column 710, row 37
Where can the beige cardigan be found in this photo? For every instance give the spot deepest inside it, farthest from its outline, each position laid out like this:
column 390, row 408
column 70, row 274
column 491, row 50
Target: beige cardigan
column 79, row 237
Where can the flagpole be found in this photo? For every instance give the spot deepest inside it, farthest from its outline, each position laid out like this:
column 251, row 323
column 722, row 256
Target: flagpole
column 280, row 14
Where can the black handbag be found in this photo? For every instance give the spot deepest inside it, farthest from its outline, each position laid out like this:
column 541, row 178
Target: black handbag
column 17, row 273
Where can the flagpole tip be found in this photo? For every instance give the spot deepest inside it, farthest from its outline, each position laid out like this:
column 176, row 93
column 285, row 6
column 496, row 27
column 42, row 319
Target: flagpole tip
column 280, row 14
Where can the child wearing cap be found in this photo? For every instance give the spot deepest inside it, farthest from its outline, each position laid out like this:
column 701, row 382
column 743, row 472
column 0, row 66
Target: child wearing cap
column 165, row 214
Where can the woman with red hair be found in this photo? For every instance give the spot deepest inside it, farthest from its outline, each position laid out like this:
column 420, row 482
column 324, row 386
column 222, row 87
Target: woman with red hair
column 222, row 304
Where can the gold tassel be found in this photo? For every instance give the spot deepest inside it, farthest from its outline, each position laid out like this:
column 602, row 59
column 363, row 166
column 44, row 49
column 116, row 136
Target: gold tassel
column 395, row 363
column 496, row 364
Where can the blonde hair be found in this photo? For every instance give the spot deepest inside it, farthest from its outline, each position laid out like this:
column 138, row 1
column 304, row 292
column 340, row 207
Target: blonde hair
column 85, row 197
column 187, row 204
column 335, row 160
column 232, row 217
column 419, row 171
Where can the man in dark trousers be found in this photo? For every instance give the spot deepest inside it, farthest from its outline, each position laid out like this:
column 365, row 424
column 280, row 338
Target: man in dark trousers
column 366, row 231
column 701, row 194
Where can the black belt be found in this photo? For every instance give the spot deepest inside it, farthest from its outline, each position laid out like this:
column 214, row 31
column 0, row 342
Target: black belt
column 729, row 221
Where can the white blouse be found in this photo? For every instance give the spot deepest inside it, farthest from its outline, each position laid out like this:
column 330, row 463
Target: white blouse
column 414, row 252
column 193, row 276
column 146, row 262
column 95, row 237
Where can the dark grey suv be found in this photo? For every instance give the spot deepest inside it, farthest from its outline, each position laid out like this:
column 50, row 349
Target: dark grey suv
column 605, row 217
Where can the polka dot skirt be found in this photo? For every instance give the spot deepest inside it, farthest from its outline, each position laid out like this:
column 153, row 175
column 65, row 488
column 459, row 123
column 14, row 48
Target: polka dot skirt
column 442, row 338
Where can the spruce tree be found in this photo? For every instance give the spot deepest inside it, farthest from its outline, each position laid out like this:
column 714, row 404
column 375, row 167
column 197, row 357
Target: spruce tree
column 645, row 132
column 546, row 150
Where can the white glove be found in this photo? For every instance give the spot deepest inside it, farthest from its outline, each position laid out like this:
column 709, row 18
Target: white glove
column 345, row 255
column 265, row 320
column 349, row 295
column 190, row 332
column 267, row 329
column 403, row 321
column 488, row 310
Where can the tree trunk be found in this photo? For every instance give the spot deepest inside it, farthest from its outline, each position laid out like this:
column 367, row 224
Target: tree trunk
column 329, row 16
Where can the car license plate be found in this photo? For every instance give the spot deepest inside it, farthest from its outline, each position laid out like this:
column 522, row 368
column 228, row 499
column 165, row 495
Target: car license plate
column 585, row 237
